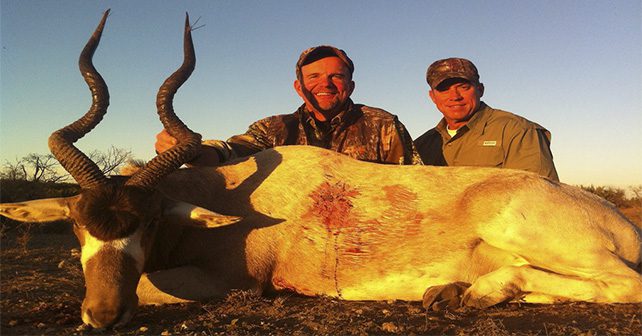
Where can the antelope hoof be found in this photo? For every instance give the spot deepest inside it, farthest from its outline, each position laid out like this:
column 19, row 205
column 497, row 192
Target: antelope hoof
column 444, row 296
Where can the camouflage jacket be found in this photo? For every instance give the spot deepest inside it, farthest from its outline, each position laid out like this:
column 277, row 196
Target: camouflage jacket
column 362, row 132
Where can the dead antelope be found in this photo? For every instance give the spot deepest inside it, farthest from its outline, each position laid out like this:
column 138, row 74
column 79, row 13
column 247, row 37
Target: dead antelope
column 317, row 222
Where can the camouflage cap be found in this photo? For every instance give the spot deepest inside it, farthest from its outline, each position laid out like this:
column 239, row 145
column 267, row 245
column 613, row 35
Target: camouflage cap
column 451, row 68
column 316, row 53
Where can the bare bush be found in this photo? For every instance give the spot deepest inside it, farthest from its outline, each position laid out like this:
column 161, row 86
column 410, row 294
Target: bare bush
column 617, row 196
column 637, row 194
column 33, row 167
column 112, row 160
column 45, row 168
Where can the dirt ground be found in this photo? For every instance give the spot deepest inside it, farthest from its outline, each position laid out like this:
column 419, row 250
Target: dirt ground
column 42, row 289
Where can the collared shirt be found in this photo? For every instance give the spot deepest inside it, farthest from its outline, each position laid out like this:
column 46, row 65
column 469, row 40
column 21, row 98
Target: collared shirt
column 491, row 138
column 362, row 132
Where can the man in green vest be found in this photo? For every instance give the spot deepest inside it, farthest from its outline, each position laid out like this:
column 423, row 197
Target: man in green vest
column 472, row 133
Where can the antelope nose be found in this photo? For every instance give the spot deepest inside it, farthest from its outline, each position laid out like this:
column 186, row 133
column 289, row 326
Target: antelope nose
column 100, row 317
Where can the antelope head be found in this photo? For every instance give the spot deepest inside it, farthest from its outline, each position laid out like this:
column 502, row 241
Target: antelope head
column 115, row 219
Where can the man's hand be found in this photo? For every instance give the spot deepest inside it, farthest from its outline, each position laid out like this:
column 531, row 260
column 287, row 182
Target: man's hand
column 164, row 141
column 207, row 157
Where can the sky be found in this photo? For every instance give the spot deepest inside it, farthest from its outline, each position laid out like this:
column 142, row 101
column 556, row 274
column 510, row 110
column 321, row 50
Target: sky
column 574, row 67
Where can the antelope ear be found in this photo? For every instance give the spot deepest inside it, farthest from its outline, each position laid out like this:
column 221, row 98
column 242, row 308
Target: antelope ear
column 38, row 211
column 193, row 215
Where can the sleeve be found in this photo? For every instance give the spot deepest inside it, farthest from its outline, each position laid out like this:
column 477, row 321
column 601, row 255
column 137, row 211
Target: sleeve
column 429, row 146
column 254, row 140
column 402, row 148
column 530, row 150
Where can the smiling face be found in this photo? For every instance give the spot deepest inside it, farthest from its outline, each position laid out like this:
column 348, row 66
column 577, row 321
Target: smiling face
column 325, row 86
column 457, row 99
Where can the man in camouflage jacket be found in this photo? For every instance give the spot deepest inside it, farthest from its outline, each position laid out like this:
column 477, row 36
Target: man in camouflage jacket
column 328, row 118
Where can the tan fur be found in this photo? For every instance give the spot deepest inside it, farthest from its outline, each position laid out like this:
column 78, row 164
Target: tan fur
column 406, row 228
column 320, row 223
column 132, row 167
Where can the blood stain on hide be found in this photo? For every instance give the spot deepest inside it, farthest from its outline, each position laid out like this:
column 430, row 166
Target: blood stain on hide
column 332, row 203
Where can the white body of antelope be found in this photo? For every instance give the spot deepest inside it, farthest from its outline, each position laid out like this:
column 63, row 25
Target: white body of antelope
column 317, row 222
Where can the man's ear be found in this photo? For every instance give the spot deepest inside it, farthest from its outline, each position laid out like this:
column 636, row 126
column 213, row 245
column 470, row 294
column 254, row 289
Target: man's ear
column 431, row 94
column 352, row 86
column 480, row 88
column 189, row 214
column 297, row 88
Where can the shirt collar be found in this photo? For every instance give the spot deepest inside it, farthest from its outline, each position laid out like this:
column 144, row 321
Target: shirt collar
column 337, row 120
column 479, row 117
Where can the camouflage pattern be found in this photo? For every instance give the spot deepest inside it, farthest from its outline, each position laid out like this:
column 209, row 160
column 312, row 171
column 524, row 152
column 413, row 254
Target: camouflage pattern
column 362, row 132
column 315, row 53
column 447, row 68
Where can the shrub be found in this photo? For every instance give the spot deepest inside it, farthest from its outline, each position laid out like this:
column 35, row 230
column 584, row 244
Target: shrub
column 22, row 190
column 617, row 196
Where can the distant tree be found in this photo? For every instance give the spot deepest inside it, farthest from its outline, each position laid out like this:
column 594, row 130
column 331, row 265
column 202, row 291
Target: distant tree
column 617, row 196
column 637, row 194
column 33, row 167
column 112, row 160
column 45, row 168
column 13, row 171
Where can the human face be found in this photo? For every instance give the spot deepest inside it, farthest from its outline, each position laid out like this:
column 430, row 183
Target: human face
column 325, row 86
column 457, row 99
